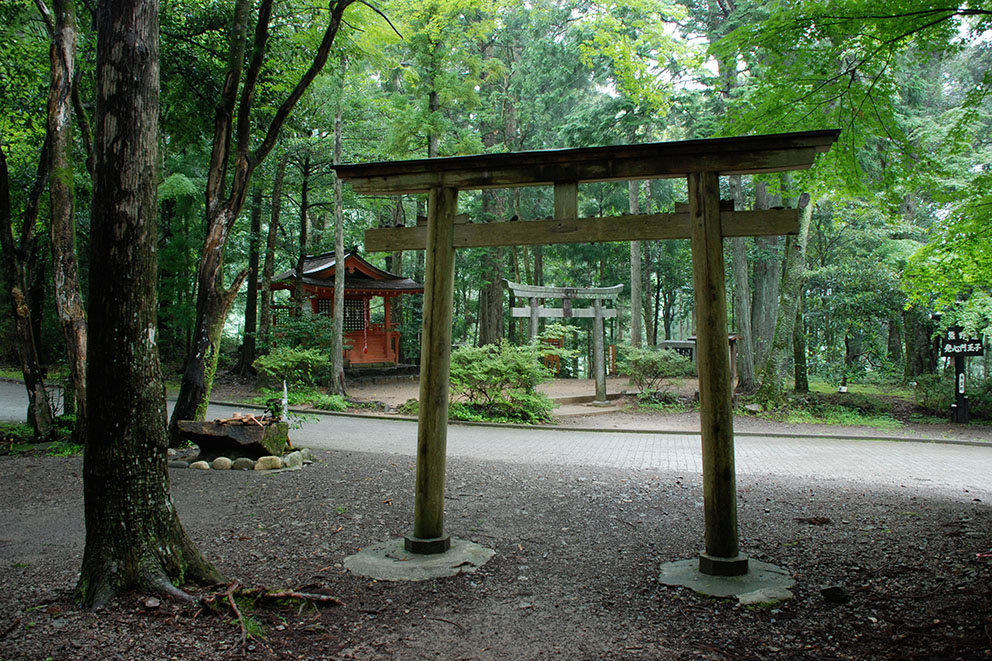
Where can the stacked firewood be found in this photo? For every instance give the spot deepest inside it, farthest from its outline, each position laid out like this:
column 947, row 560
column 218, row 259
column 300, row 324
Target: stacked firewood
column 247, row 419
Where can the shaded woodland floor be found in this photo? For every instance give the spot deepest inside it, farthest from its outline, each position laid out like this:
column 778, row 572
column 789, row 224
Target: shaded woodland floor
column 574, row 576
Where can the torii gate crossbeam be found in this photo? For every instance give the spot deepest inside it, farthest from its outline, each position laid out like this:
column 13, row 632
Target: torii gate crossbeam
column 701, row 162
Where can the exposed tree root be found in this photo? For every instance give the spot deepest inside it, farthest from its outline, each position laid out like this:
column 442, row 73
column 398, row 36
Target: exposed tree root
column 227, row 598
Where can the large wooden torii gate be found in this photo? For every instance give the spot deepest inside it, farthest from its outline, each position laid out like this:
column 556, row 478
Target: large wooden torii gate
column 701, row 162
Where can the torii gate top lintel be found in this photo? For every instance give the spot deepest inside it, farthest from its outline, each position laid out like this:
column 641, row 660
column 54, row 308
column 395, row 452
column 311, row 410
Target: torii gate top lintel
column 533, row 291
column 656, row 160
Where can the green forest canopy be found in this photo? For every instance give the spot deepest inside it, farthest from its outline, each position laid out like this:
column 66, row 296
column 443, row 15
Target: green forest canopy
column 903, row 216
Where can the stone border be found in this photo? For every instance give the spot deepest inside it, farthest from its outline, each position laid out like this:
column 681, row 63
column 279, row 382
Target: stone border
column 292, row 461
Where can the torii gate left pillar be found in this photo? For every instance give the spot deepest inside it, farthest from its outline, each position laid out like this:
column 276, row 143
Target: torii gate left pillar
column 435, row 369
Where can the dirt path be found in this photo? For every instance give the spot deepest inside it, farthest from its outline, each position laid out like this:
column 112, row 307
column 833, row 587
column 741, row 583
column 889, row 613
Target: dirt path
column 575, row 573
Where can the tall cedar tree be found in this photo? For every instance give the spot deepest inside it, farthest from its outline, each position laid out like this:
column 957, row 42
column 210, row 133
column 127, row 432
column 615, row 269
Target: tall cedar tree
column 232, row 163
column 68, row 297
column 133, row 535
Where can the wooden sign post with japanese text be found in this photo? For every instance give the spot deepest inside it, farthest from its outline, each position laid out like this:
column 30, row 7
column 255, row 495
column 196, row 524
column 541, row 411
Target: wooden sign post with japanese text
column 957, row 345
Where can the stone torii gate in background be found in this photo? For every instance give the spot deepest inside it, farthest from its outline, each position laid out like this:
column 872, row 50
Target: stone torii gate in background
column 701, row 163
column 597, row 313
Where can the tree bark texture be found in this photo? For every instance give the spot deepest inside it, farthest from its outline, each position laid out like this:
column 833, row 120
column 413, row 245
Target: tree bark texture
column 921, row 358
column 773, row 372
column 246, row 356
column 337, row 342
column 800, row 368
column 16, row 260
column 299, row 297
column 767, row 279
column 65, row 267
column 133, row 535
column 742, row 300
column 226, row 191
column 635, row 271
column 269, row 264
column 491, row 294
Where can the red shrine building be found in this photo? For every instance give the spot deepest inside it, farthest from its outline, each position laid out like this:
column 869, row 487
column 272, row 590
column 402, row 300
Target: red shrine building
column 368, row 297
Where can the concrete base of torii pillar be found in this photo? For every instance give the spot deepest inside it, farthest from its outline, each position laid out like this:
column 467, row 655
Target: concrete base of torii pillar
column 762, row 584
column 390, row 561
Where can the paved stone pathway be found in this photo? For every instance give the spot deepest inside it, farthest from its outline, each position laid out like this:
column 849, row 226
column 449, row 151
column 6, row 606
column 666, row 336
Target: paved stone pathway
column 952, row 470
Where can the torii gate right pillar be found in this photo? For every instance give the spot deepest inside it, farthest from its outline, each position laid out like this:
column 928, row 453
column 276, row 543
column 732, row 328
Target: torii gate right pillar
column 722, row 555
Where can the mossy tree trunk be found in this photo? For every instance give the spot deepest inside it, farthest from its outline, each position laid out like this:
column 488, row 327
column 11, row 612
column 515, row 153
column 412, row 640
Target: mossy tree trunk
column 133, row 535
column 772, row 377
column 269, row 264
column 65, row 265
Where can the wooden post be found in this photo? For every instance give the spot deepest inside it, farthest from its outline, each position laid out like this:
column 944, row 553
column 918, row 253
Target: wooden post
column 533, row 318
column 432, row 431
column 598, row 358
column 721, row 556
column 566, row 200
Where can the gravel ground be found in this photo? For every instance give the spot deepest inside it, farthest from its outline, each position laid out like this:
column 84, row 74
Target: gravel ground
column 574, row 576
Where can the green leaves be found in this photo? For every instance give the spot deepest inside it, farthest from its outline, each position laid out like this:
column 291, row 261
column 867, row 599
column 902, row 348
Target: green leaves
column 499, row 382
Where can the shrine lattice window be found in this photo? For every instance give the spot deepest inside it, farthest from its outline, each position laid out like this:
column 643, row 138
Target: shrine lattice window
column 354, row 314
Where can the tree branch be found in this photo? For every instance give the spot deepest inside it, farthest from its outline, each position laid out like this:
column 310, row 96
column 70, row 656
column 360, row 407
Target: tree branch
column 46, row 15
column 384, row 17
column 251, row 78
column 83, row 120
column 320, row 58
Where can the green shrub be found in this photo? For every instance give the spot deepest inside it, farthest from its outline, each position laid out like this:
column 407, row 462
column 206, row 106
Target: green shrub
column 499, row 382
column 665, row 402
column 649, row 369
column 16, row 433
column 307, row 331
column 302, row 396
column 326, row 402
column 863, row 404
column 64, row 449
column 935, row 392
column 980, row 399
column 299, row 367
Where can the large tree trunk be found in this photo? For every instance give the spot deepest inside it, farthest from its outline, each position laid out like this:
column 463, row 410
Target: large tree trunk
column 68, row 300
column 742, row 300
column 337, row 343
column 491, row 293
column 246, row 356
column 771, row 389
column 799, row 367
column 921, row 358
column 767, row 279
column 299, row 295
column 16, row 259
column 894, row 344
column 133, row 535
column 635, row 271
column 226, row 191
column 269, row 264
column 396, row 266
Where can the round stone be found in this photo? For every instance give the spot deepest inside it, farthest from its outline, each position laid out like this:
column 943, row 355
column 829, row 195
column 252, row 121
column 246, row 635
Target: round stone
column 268, row 462
column 243, row 464
column 200, row 465
column 221, row 464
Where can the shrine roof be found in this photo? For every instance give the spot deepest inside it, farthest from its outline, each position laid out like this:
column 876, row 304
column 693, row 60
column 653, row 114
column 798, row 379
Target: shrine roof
column 318, row 271
column 738, row 155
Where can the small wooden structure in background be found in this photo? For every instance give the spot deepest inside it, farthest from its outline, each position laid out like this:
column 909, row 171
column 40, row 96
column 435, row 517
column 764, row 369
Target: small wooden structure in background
column 371, row 343
column 597, row 313
column 701, row 163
